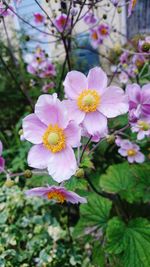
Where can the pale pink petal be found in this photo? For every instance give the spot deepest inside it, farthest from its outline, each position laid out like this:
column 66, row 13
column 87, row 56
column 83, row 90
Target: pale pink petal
column 38, row 191
column 133, row 92
column 113, row 102
column 97, row 79
column 122, row 152
column 95, row 123
column 73, row 134
column 139, row 157
column 75, row 82
column 74, row 112
column 2, row 164
column 33, row 129
column 50, row 110
column 38, row 157
column 62, row 165
column 131, row 159
column 1, row 148
column 74, row 198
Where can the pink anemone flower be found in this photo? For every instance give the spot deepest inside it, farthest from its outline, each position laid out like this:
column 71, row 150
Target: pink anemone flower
column 56, row 193
column 91, row 102
column 39, row 18
column 131, row 151
column 141, row 127
column 2, row 161
column 62, row 22
column 53, row 136
column 103, row 31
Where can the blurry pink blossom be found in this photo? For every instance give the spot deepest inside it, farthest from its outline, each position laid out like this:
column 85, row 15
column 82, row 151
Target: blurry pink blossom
column 90, row 18
column 48, row 86
column 39, row 18
column 62, row 22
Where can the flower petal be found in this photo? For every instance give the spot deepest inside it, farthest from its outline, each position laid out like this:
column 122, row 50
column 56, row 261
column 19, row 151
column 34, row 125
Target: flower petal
column 74, row 198
column 62, row 165
column 2, row 164
column 38, row 157
column 1, row 148
column 74, row 112
column 122, row 152
column 97, row 79
column 74, row 83
column 139, row 157
column 133, row 92
column 38, row 191
column 73, row 134
column 33, row 129
column 95, row 123
column 50, row 110
column 113, row 102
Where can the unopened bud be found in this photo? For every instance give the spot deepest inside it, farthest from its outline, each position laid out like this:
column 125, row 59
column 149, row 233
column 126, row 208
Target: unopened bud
column 119, row 10
column 28, row 174
column 110, row 138
column 9, row 183
column 80, row 173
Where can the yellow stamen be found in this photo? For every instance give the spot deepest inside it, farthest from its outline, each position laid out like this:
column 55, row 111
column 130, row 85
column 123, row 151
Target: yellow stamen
column 103, row 31
column 131, row 152
column 143, row 125
column 88, row 100
column 94, row 36
column 57, row 196
column 54, row 138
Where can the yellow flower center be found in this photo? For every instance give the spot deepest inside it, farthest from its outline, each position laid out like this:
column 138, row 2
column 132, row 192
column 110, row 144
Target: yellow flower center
column 131, row 152
column 94, row 36
column 103, row 31
column 88, row 100
column 57, row 196
column 54, row 138
column 143, row 125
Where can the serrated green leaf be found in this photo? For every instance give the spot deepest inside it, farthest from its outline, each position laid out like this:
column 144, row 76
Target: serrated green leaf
column 98, row 256
column 130, row 242
column 94, row 215
column 132, row 182
column 76, row 183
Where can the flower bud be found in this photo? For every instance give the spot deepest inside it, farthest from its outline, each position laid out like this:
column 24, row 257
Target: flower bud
column 28, row 174
column 79, row 173
column 119, row 10
column 9, row 183
column 110, row 138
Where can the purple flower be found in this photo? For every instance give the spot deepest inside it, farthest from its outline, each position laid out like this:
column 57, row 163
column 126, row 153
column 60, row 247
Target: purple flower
column 131, row 6
column 47, row 86
column 62, row 22
column 138, row 60
column 5, row 11
column 139, row 100
column 91, row 102
column 131, row 151
column 141, row 127
column 103, row 31
column 53, row 136
column 124, row 57
column 90, row 18
column 2, row 161
column 56, row 193
column 39, row 18
column 94, row 38
column 123, row 77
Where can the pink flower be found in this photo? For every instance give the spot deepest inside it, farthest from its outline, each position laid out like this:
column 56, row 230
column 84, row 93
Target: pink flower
column 39, row 18
column 131, row 6
column 48, row 86
column 90, row 18
column 94, row 38
column 131, row 151
column 141, row 127
column 56, row 193
column 2, row 161
column 124, row 57
column 139, row 100
column 138, row 60
column 5, row 11
column 62, row 22
column 53, row 136
column 103, row 31
column 123, row 77
column 92, row 102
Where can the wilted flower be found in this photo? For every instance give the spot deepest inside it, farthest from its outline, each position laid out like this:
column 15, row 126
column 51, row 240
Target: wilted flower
column 90, row 18
column 62, row 22
column 39, row 18
column 131, row 151
column 56, row 193
column 141, row 127
column 53, row 136
column 144, row 45
column 139, row 100
column 91, row 103
column 2, row 161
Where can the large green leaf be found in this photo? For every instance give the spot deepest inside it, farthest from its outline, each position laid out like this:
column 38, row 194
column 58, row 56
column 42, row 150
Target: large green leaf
column 129, row 242
column 132, row 182
column 94, row 215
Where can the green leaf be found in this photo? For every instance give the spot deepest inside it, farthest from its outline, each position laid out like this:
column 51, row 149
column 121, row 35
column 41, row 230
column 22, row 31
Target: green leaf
column 131, row 182
column 130, row 243
column 98, row 256
column 76, row 183
column 94, row 215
